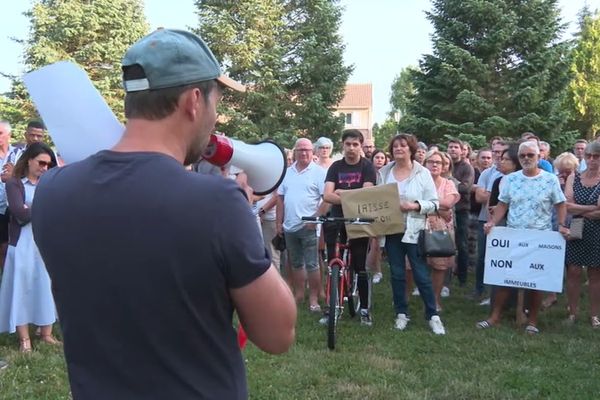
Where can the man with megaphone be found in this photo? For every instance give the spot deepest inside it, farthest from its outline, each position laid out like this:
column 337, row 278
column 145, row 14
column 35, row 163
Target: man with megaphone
column 148, row 261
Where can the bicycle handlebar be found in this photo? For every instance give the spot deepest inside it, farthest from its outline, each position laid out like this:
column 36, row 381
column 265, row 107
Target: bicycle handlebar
column 352, row 221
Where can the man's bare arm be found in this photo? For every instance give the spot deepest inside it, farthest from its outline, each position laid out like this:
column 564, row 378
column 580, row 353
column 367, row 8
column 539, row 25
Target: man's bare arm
column 267, row 311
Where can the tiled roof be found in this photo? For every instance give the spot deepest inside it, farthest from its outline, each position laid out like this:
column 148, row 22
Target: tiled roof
column 358, row 95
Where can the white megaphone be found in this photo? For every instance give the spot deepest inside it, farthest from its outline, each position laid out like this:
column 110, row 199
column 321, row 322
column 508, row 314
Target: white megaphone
column 264, row 163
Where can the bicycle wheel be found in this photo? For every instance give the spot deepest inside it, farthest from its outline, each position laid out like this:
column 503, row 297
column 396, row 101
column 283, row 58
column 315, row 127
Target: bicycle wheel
column 334, row 302
column 351, row 292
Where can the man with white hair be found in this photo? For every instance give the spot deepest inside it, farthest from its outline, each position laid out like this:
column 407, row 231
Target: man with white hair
column 529, row 196
column 299, row 195
column 323, row 148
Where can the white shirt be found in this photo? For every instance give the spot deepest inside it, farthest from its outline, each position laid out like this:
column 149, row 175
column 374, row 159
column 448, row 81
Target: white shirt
column 302, row 192
column 486, row 181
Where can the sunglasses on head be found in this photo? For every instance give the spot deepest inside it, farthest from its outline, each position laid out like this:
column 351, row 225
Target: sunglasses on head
column 527, row 155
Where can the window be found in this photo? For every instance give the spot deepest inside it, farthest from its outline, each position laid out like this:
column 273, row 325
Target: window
column 348, row 119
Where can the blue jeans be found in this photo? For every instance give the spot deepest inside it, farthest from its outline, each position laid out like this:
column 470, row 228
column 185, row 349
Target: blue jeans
column 397, row 252
column 462, row 244
column 479, row 268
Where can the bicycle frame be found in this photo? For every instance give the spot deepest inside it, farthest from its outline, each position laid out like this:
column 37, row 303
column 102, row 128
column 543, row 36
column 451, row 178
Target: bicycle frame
column 339, row 278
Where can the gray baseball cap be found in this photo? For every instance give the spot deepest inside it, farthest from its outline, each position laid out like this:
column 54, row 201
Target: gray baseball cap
column 171, row 58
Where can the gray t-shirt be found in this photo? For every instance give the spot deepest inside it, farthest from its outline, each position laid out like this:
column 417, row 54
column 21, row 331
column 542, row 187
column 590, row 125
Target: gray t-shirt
column 142, row 254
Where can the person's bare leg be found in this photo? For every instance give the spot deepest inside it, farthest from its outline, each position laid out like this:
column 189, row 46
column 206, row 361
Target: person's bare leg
column 314, row 286
column 298, row 280
column 24, row 341
column 437, row 281
column 502, row 294
column 46, row 335
column 594, row 290
column 535, row 301
column 574, row 288
column 322, row 265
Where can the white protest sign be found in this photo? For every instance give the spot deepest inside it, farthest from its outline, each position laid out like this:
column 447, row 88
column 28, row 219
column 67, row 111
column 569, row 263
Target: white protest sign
column 525, row 259
column 77, row 116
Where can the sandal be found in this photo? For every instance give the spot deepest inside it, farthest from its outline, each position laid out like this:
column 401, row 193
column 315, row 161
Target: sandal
column 315, row 308
column 595, row 322
column 532, row 330
column 485, row 324
column 25, row 345
column 49, row 339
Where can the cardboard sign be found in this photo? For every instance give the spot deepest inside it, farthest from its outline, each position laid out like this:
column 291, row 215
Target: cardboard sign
column 77, row 116
column 525, row 259
column 380, row 202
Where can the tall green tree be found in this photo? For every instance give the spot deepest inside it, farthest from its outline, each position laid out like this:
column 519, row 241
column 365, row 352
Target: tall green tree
column 584, row 88
column 289, row 55
column 92, row 33
column 403, row 90
column 384, row 133
column 498, row 68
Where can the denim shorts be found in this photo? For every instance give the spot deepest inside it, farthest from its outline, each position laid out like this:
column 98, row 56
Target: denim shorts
column 302, row 248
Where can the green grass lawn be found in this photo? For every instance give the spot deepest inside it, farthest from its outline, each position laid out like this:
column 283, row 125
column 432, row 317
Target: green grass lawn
column 563, row 362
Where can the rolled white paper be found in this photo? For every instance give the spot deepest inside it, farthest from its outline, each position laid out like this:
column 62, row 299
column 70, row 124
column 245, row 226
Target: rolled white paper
column 75, row 113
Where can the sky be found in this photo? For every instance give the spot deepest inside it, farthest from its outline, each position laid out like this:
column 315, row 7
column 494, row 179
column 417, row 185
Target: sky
column 381, row 36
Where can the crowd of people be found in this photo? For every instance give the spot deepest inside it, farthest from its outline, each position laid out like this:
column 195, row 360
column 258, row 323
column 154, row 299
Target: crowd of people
column 156, row 275
column 512, row 182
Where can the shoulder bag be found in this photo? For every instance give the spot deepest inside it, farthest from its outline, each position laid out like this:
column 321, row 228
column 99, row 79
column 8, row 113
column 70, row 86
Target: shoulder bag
column 435, row 243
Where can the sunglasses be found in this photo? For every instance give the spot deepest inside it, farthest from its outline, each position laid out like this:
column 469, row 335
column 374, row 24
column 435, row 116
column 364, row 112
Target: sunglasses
column 527, row 155
column 592, row 156
column 43, row 164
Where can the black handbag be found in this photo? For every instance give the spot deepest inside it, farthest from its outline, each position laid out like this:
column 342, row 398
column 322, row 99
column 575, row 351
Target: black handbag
column 435, row 243
column 279, row 242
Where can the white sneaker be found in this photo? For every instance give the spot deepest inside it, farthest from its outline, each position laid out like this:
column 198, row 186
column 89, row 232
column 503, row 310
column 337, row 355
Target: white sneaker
column 415, row 292
column 401, row 322
column 436, row 325
column 445, row 292
column 377, row 277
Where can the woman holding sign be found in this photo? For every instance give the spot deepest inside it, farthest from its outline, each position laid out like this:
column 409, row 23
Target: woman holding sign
column 418, row 197
column 529, row 196
column 583, row 201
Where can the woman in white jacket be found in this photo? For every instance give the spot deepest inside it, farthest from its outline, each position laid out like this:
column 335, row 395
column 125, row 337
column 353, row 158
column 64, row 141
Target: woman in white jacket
column 418, row 197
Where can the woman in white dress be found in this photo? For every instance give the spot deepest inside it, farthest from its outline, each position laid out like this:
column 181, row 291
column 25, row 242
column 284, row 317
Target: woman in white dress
column 25, row 293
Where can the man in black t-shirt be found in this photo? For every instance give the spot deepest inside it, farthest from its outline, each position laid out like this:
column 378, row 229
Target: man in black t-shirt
column 149, row 261
column 351, row 172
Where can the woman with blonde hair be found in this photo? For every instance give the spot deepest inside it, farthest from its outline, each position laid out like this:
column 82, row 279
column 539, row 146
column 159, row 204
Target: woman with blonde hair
column 583, row 200
column 442, row 219
column 564, row 165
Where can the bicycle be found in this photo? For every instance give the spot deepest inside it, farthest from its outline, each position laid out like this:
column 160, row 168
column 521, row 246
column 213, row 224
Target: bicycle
column 341, row 280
